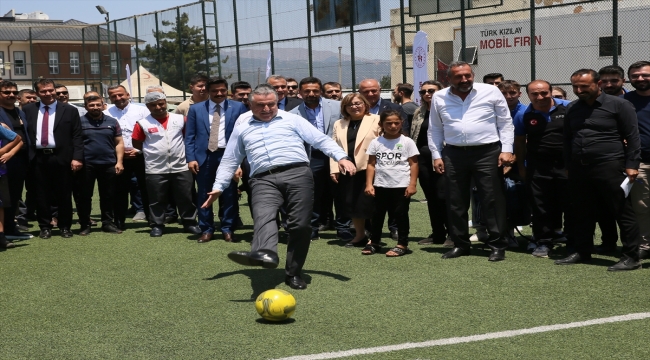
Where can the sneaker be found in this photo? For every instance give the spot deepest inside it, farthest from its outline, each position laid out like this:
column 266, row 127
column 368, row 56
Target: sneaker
column 426, row 241
column 111, row 228
column 19, row 236
column 542, row 251
column 139, row 217
column 531, row 246
column 22, row 227
column 480, row 235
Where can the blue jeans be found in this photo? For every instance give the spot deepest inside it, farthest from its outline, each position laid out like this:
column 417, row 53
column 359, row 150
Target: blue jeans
column 228, row 199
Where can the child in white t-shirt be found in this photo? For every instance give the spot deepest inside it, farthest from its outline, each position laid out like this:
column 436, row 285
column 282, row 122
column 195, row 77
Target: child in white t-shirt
column 391, row 177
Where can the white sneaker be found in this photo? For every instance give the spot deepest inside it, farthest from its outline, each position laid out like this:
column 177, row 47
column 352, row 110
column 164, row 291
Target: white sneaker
column 139, row 216
column 473, row 238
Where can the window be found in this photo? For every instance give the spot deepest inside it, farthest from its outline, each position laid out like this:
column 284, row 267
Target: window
column 20, row 67
column 2, row 62
column 54, row 62
column 113, row 63
column 606, row 46
column 94, row 63
column 408, row 50
column 470, row 55
column 74, row 63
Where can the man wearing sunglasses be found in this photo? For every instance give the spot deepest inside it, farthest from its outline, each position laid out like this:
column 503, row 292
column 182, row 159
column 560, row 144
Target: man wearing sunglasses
column 16, row 160
column 292, row 88
column 63, row 96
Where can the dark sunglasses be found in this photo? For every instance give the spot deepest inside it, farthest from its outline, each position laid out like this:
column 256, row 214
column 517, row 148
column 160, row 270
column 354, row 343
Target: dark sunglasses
column 9, row 92
column 430, row 91
column 292, row 87
column 558, row 97
column 62, row 93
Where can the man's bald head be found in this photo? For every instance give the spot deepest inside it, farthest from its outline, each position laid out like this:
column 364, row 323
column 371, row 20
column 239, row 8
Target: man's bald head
column 371, row 90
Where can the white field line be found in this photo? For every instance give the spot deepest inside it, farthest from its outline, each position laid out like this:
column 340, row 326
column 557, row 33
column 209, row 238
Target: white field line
column 467, row 339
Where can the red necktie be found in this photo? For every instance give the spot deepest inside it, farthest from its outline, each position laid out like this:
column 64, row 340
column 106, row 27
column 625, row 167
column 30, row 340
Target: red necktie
column 45, row 127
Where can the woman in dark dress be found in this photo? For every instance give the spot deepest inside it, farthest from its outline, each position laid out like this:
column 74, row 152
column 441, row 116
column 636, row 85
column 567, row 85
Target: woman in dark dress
column 354, row 133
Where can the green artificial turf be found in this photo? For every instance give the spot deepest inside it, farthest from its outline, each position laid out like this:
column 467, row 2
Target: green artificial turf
column 130, row 296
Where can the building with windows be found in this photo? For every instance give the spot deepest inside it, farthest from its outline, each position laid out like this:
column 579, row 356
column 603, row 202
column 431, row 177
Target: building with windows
column 70, row 52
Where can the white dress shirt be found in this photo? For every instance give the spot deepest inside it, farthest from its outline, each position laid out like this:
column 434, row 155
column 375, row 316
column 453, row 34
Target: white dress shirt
column 243, row 118
column 222, row 121
column 482, row 118
column 127, row 118
column 50, row 126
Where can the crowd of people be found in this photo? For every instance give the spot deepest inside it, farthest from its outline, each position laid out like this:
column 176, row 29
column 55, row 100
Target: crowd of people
column 311, row 160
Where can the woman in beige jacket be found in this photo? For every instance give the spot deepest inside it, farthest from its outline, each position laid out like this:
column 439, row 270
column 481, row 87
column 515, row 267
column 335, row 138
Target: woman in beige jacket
column 354, row 133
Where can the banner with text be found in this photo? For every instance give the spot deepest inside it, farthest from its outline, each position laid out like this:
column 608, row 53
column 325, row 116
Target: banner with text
column 420, row 57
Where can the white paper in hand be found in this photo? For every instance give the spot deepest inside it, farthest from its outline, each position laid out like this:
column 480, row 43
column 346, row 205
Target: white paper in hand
column 626, row 185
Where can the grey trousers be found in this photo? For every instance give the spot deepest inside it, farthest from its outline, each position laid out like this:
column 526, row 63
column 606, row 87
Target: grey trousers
column 295, row 189
column 177, row 185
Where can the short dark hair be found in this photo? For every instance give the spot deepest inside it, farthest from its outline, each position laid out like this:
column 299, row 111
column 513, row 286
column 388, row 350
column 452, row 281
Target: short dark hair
column 332, row 83
column 309, row 80
column 557, row 88
column 636, row 65
column 92, row 98
column 217, row 80
column 612, row 70
column 550, row 87
column 434, row 83
column 26, row 91
column 492, row 76
column 406, row 88
column 42, row 82
column 239, row 85
column 291, row 79
column 56, row 86
column 509, row 84
column 114, row 87
column 594, row 75
column 198, row 78
column 458, row 64
column 8, row 84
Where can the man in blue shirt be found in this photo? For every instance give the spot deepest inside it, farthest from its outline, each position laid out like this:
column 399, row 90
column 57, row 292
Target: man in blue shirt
column 539, row 150
column 8, row 141
column 274, row 142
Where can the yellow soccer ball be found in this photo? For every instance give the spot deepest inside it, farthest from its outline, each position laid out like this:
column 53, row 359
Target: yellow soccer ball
column 275, row 305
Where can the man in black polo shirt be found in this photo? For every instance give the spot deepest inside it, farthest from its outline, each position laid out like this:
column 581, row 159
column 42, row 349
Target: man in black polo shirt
column 539, row 146
column 601, row 149
column 103, row 153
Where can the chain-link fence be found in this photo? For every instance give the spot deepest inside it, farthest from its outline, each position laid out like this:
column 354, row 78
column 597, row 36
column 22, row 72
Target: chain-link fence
column 335, row 40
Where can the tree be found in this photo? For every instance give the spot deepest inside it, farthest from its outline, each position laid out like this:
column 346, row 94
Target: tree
column 179, row 61
column 384, row 83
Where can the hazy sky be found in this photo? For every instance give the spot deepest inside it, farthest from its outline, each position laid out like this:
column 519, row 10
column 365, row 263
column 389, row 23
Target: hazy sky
column 84, row 10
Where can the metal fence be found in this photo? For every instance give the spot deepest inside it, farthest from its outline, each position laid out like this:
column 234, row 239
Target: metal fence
column 232, row 38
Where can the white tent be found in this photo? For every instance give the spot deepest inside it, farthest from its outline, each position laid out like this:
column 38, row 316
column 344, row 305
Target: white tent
column 147, row 79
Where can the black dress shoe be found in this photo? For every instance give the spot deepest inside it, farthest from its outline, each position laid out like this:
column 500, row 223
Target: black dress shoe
column 66, row 233
column 6, row 244
column 573, row 259
column 111, row 229
column 295, row 282
column 497, row 255
column 45, row 234
column 626, row 263
column 193, row 229
column 264, row 258
column 455, row 252
column 85, row 230
column 156, row 231
column 644, row 254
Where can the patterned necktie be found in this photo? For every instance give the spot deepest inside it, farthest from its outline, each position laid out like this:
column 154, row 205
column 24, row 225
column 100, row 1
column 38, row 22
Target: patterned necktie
column 45, row 127
column 213, row 141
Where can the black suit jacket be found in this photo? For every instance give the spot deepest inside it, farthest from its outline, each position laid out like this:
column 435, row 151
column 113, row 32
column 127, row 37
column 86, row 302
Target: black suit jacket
column 67, row 132
column 292, row 103
column 5, row 119
column 385, row 105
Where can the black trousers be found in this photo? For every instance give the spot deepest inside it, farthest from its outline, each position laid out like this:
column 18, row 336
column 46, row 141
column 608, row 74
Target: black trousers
column 105, row 176
column 123, row 184
column 462, row 164
column 548, row 194
column 595, row 187
column 162, row 187
column 17, row 170
column 292, row 189
column 433, row 186
column 320, row 170
column 393, row 201
column 52, row 186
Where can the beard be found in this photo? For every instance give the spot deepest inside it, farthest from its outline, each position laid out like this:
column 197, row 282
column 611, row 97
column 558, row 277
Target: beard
column 641, row 85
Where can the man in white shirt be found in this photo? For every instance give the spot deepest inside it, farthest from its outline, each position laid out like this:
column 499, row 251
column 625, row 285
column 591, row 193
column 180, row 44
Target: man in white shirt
column 473, row 123
column 127, row 115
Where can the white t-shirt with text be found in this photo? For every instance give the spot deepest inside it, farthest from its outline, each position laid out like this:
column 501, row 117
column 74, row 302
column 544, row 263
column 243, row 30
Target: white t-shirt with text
column 392, row 169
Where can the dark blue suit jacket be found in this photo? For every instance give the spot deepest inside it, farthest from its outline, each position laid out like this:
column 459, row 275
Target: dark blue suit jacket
column 197, row 127
column 7, row 120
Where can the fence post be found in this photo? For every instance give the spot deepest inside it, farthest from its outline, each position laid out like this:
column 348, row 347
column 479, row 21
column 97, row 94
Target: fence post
column 462, row 31
column 205, row 41
column 99, row 59
column 159, row 50
column 234, row 11
column 532, row 40
column 216, row 35
column 180, row 50
column 110, row 61
column 403, row 38
column 309, row 49
column 271, row 39
column 117, row 53
column 352, row 65
column 83, row 58
column 31, row 58
column 137, row 57
column 615, row 31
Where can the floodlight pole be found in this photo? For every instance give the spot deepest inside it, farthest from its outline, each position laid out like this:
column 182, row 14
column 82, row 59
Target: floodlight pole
column 462, row 31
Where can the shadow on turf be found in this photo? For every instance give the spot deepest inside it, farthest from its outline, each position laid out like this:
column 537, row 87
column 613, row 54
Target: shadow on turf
column 283, row 322
column 265, row 279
